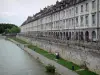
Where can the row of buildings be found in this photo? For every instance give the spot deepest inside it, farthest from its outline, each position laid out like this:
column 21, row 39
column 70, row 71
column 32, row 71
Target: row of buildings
column 67, row 19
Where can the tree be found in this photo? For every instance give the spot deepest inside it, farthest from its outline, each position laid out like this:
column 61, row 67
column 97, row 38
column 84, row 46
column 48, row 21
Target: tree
column 9, row 28
column 15, row 29
column 1, row 30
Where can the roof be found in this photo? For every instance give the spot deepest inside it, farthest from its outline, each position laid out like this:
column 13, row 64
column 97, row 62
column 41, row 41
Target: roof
column 52, row 9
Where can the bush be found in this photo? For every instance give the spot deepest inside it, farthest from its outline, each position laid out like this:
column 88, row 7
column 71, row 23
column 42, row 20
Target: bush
column 84, row 66
column 50, row 68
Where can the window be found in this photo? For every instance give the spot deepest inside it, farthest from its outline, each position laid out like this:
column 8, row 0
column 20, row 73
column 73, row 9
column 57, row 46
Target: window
column 76, row 21
column 93, row 36
column 81, row 8
column 76, row 9
column 63, row 23
column 66, row 23
column 77, row 1
column 66, row 11
column 87, row 6
column 93, row 19
column 87, row 19
column 70, row 11
column 93, row 4
column 69, row 35
column 72, row 21
column 63, row 13
column 81, row 20
column 69, row 21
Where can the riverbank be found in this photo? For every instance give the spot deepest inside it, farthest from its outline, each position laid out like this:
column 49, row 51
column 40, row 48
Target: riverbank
column 59, row 68
column 15, row 61
column 61, row 61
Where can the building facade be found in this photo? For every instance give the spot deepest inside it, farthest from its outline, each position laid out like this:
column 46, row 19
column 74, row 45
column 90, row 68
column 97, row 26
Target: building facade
column 66, row 20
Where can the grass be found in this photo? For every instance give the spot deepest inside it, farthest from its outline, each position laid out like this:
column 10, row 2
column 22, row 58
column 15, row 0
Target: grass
column 86, row 72
column 20, row 41
column 52, row 57
column 61, row 61
column 41, row 51
column 68, row 64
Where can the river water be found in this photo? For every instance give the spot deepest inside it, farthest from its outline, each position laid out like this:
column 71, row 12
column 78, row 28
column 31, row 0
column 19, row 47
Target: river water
column 14, row 61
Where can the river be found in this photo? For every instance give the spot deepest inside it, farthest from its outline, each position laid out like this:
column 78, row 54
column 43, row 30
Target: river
column 14, row 61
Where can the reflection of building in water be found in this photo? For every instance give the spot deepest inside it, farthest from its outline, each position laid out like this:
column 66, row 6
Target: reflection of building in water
column 66, row 20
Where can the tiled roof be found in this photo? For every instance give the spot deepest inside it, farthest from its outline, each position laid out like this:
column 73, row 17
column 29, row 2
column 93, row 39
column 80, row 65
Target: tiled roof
column 53, row 8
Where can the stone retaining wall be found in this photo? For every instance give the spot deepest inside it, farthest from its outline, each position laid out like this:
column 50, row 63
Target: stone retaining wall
column 79, row 56
column 59, row 68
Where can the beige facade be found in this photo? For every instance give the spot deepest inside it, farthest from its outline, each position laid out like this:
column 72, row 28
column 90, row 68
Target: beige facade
column 70, row 27
column 76, row 21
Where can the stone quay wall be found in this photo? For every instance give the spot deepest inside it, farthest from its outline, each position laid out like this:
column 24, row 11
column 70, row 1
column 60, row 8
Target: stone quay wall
column 45, row 61
column 77, row 55
column 59, row 68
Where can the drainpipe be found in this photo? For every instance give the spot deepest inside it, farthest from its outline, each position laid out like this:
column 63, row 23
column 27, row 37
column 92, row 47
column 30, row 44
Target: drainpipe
column 51, row 32
column 98, row 36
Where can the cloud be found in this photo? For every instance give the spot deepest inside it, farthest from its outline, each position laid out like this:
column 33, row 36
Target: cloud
column 7, row 14
column 10, row 17
column 16, row 11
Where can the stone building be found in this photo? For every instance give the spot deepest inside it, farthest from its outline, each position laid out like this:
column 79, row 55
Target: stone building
column 70, row 27
column 67, row 19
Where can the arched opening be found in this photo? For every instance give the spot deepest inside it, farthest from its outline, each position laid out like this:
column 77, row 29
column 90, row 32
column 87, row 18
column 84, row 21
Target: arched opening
column 56, row 35
column 76, row 35
column 73, row 35
column 47, row 34
column 93, row 36
column 60, row 35
column 81, row 36
column 51, row 33
column 67, row 35
column 64, row 35
column 87, row 36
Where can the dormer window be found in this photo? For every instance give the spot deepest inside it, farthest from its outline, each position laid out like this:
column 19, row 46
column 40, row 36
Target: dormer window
column 66, row 5
column 93, row 4
column 53, row 10
column 61, row 7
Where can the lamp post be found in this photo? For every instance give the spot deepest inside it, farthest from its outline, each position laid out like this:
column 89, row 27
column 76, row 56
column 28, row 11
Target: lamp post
column 98, row 36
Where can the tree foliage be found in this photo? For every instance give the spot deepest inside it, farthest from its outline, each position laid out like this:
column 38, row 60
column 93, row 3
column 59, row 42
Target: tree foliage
column 9, row 28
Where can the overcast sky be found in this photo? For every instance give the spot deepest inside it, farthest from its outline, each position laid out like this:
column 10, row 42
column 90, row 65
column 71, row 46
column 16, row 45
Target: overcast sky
column 17, row 11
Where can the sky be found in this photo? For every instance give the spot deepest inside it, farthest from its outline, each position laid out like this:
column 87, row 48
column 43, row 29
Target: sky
column 17, row 11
